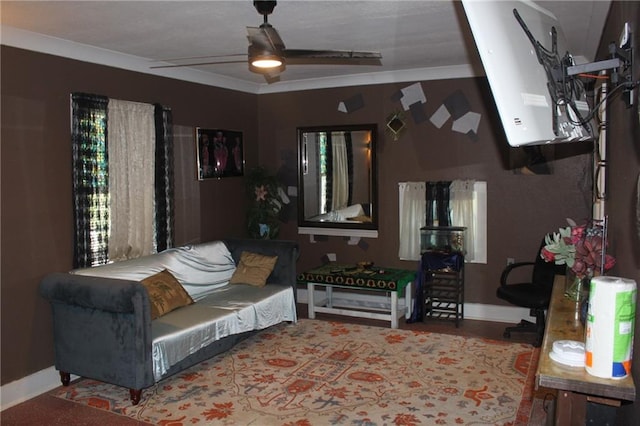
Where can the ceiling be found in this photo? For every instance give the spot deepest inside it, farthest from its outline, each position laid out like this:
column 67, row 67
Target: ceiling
column 419, row 40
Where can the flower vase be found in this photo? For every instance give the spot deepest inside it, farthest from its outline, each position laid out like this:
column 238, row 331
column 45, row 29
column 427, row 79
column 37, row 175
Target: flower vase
column 584, row 302
column 575, row 286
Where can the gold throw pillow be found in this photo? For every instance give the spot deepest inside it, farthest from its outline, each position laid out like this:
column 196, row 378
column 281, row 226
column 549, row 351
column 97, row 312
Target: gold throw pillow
column 253, row 269
column 165, row 293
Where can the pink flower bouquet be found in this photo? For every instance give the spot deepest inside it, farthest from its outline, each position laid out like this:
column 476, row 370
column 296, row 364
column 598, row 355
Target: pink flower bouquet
column 580, row 247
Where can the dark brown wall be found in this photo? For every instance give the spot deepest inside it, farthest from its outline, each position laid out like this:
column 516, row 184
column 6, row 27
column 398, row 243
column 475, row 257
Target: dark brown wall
column 521, row 209
column 623, row 175
column 36, row 180
column 36, row 177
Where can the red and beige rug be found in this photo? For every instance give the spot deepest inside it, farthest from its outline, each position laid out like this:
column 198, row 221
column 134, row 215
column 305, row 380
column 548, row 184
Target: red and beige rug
column 328, row 373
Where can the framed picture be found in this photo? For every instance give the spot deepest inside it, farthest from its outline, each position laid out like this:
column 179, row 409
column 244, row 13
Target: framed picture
column 220, row 153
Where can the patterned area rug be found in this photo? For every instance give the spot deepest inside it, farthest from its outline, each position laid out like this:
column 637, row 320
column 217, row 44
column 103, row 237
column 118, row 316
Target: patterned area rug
column 329, row 373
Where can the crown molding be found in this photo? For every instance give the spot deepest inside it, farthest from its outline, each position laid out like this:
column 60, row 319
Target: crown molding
column 28, row 40
column 398, row 76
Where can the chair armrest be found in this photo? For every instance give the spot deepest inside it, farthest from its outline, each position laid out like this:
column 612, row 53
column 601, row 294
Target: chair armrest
column 509, row 268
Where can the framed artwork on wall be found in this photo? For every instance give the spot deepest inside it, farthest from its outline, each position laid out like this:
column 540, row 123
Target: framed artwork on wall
column 219, row 153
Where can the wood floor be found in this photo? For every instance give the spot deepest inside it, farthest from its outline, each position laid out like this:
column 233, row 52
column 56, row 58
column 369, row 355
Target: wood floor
column 49, row 410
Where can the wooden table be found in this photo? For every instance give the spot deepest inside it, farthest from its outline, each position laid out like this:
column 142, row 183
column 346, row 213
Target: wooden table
column 336, row 276
column 575, row 386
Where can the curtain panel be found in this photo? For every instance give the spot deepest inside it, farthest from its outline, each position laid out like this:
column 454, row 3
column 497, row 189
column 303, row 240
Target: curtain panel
column 132, row 141
column 90, row 179
column 412, row 207
column 339, row 166
column 329, row 175
column 164, row 178
column 340, row 173
column 463, row 212
column 438, row 204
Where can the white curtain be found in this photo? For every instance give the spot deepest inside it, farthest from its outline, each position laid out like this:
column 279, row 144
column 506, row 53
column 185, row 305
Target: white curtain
column 340, row 196
column 461, row 194
column 412, row 198
column 131, row 179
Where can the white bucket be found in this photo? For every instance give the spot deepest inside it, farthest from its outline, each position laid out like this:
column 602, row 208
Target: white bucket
column 610, row 322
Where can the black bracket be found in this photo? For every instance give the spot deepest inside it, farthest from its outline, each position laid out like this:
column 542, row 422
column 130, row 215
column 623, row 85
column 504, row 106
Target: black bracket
column 621, row 64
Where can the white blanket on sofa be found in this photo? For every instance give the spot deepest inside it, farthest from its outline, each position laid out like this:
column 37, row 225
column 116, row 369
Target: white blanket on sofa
column 221, row 309
column 232, row 309
column 200, row 268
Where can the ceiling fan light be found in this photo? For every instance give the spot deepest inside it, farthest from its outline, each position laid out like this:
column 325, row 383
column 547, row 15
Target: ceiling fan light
column 266, row 61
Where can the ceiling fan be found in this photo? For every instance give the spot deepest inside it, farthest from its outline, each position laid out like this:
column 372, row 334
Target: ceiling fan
column 268, row 55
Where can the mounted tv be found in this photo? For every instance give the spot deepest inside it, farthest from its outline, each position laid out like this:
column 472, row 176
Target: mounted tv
column 524, row 55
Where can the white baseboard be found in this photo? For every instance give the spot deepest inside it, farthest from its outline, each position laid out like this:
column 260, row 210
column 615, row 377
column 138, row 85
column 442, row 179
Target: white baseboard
column 43, row 381
column 29, row 387
column 474, row 311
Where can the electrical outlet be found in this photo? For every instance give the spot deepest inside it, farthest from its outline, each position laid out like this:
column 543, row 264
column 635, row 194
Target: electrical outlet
column 510, row 260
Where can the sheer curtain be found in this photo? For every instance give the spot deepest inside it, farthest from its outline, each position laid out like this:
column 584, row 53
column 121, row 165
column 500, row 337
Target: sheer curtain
column 131, row 151
column 461, row 194
column 340, row 189
column 412, row 206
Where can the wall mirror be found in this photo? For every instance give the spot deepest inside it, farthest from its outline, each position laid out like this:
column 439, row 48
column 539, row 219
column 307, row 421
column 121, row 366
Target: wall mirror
column 337, row 185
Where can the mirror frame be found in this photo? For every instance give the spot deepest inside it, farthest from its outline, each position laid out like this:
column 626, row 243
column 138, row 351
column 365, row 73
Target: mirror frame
column 356, row 229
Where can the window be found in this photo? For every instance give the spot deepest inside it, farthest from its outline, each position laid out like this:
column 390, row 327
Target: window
column 323, row 171
column 466, row 205
column 93, row 190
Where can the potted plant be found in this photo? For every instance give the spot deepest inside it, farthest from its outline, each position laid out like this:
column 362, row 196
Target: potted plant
column 266, row 199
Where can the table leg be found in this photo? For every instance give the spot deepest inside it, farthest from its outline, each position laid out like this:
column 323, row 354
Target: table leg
column 408, row 300
column 310, row 300
column 394, row 309
column 570, row 409
column 329, row 293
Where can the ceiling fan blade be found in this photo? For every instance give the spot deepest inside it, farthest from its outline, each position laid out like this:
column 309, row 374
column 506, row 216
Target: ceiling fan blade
column 193, row 64
column 331, row 57
column 265, row 37
column 331, row 54
column 193, row 58
column 274, row 36
column 272, row 78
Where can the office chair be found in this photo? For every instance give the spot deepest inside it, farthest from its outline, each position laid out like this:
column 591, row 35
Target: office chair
column 534, row 295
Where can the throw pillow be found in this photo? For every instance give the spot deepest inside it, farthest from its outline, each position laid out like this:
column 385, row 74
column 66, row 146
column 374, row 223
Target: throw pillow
column 253, row 269
column 165, row 293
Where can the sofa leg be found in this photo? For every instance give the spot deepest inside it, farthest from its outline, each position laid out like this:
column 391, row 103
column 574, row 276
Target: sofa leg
column 65, row 378
column 135, row 395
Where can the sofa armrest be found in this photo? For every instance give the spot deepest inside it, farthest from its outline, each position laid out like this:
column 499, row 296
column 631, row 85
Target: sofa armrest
column 101, row 328
column 106, row 294
column 287, row 251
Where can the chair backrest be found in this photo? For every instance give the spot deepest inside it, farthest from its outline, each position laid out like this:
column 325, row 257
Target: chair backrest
column 544, row 272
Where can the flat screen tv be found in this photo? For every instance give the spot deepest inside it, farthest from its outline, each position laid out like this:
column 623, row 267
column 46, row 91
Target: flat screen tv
column 524, row 56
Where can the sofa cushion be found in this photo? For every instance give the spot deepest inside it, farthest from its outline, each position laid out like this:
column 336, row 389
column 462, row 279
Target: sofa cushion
column 165, row 294
column 253, row 269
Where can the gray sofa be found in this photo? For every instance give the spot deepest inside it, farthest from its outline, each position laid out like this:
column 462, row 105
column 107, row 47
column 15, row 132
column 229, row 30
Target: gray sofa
column 102, row 325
